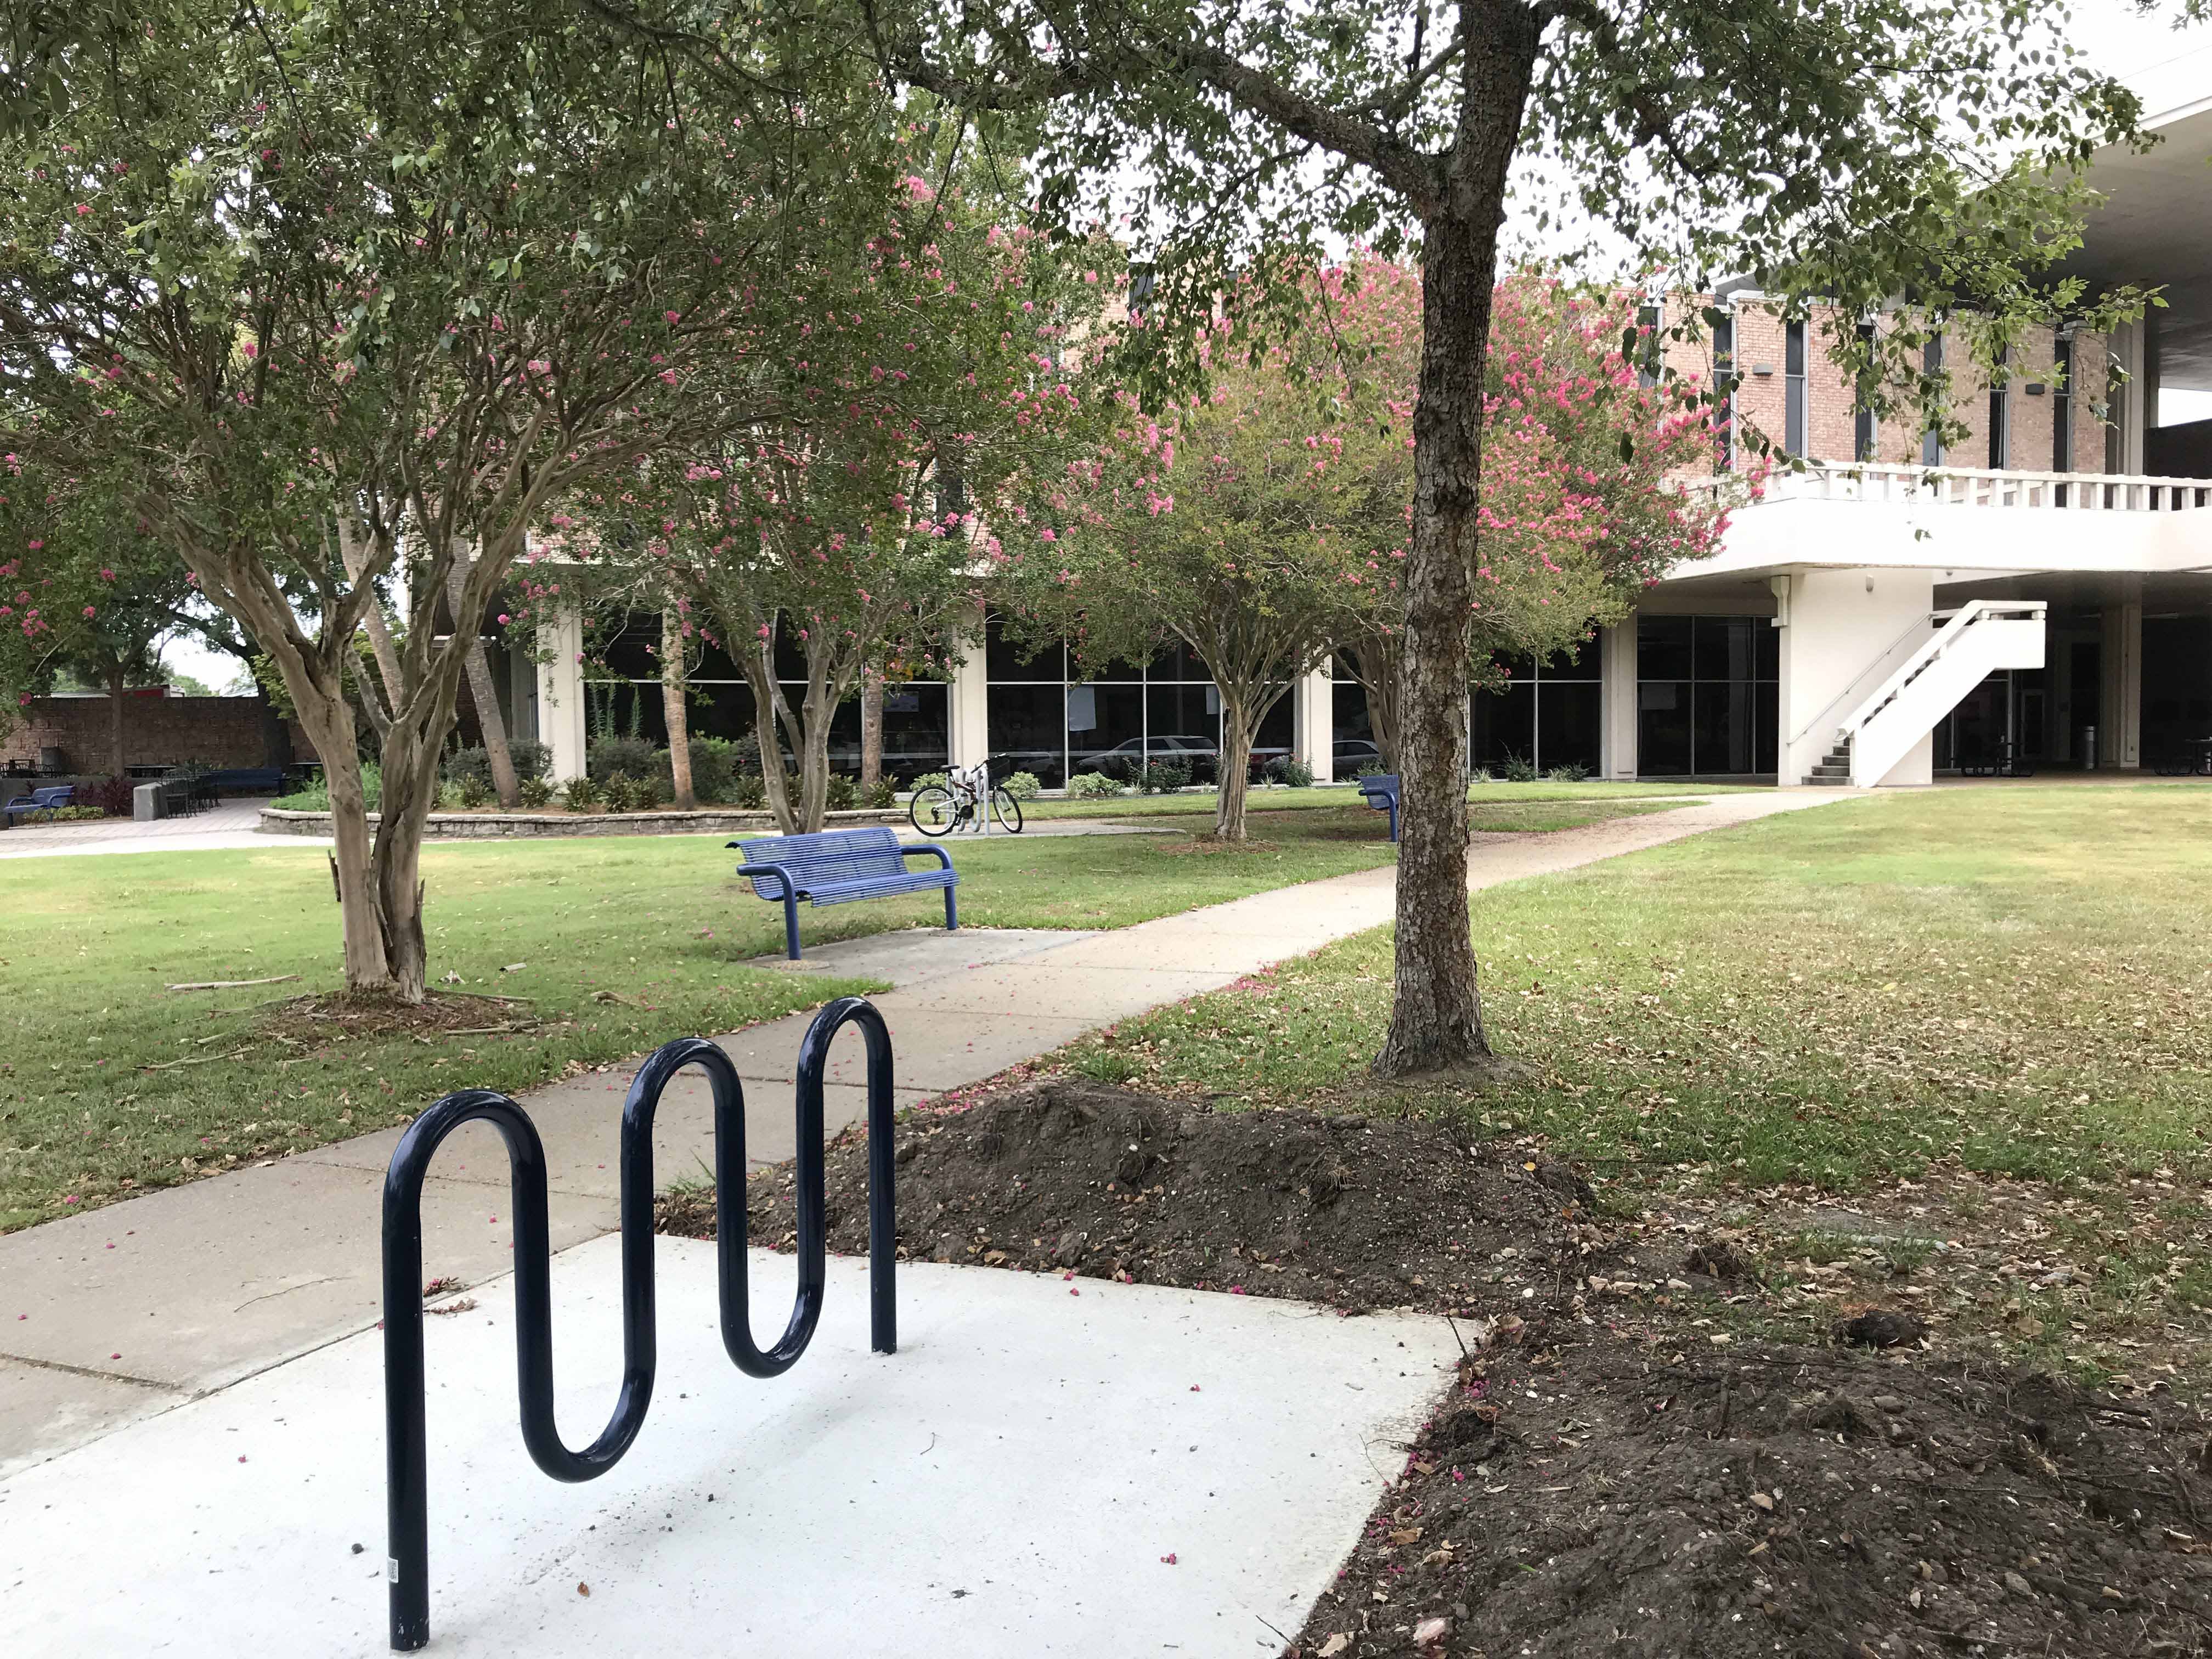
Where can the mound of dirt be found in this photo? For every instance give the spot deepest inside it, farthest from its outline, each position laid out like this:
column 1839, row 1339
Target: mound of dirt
column 1627, row 1481
column 1075, row 1175
column 1590, row 1495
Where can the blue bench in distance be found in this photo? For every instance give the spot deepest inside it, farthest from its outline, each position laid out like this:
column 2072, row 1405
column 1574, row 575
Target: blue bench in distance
column 1381, row 793
column 39, row 800
column 838, row 866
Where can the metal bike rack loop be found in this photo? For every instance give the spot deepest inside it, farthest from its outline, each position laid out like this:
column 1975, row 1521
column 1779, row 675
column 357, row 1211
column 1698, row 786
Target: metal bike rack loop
column 405, row 1452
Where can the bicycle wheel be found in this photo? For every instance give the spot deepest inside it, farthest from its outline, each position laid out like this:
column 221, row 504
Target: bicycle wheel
column 1007, row 811
column 933, row 811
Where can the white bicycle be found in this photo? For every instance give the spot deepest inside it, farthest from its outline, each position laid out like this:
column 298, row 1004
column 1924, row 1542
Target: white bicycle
column 969, row 800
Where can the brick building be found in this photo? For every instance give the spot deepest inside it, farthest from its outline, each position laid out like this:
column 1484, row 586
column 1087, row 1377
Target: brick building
column 2037, row 592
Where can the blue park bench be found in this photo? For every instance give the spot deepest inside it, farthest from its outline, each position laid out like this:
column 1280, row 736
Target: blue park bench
column 242, row 781
column 39, row 800
column 1381, row 793
column 839, row 867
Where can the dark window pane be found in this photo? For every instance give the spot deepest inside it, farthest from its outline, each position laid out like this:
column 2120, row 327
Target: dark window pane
column 1662, row 647
column 1662, row 728
column 1184, row 723
column 790, row 652
column 721, row 710
column 1766, row 649
column 1277, row 731
column 1577, row 661
column 1724, row 647
column 1793, row 348
column 1727, row 732
column 917, row 729
column 1106, row 728
column 1028, row 730
column 1503, row 727
column 631, row 651
column 1569, row 715
column 1175, row 661
column 1002, row 658
column 1518, row 667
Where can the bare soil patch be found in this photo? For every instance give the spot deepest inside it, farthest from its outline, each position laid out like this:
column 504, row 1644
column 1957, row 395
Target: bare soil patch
column 313, row 1021
column 1623, row 1465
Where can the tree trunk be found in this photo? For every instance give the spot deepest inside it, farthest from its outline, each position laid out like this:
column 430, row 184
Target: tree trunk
column 1436, row 1019
column 1238, row 731
column 482, row 691
column 330, row 726
column 872, row 729
column 676, row 706
column 118, row 767
column 411, row 790
column 1375, row 664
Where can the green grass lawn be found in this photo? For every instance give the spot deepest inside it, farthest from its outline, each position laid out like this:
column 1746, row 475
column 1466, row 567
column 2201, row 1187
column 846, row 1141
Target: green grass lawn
column 624, row 943
column 2014, row 979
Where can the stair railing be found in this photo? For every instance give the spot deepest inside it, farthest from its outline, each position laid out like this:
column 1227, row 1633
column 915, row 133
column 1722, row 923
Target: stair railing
column 1927, row 619
column 405, row 1432
column 1962, row 622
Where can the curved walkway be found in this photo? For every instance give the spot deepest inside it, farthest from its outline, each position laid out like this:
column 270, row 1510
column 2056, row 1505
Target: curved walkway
column 116, row 1315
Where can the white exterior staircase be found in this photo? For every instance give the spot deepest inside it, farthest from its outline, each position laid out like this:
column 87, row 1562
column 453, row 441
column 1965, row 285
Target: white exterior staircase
column 1968, row 645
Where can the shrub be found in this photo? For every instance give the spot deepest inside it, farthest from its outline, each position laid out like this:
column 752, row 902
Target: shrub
column 625, row 794
column 1375, row 768
column 880, row 794
column 531, row 760
column 1091, row 786
column 1163, row 777
column 536, row 792
column 633, row 757
column 1482, row 775
column 1021, row 785
column 1517, row 771
column 715, row 763
column 472, row 790
column 581, row 794
column 748, row 790
column 927, row 780
column 62, row 814
column 1573, row 774
column 111, row 797
column 1289, row 769
column 315, row 797
column 842, row 794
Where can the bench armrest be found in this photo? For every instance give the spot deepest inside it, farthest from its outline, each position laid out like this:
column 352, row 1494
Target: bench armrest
column 753, row 873
column 942, row 856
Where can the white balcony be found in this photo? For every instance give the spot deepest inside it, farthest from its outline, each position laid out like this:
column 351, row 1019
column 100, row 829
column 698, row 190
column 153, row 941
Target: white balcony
column 1969, row 522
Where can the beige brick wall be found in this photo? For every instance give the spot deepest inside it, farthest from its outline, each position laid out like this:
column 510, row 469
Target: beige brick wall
column 222, row 732
column 1831, row 405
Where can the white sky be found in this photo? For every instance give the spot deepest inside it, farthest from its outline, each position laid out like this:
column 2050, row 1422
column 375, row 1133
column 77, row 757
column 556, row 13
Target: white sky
column 2116, row 38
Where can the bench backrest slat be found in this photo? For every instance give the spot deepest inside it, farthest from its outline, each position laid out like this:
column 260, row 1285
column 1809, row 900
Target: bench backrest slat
column 1381, row 783
column 830, row 855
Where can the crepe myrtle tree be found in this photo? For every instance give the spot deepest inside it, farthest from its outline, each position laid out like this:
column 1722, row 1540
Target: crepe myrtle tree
column 1582, row 504
column 935, row 370
column 1234, row 522
column 335, row 295
column 1847, row 150
column 81, row 589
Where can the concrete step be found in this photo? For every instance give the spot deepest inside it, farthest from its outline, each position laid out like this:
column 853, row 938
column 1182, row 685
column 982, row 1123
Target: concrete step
column 1828, row 783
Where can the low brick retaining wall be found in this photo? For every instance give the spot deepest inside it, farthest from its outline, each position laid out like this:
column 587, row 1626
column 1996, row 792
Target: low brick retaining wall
column 505, row 826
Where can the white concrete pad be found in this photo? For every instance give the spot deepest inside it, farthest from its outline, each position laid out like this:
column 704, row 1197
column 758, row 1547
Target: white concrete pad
column 1006, row 1484
column 48, row 1409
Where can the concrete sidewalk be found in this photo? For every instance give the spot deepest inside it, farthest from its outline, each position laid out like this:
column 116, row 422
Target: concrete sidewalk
column 1132, row 1469
column 131, row 1310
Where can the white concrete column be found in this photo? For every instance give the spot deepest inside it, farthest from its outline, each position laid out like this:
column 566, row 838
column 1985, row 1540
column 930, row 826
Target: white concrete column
column 522, row 696
column 1848, row 630
column 1313, row 722
column 560, row 725
column 2119, row 738
column 1617, row 697
column 969, row 711
column 2133, row 404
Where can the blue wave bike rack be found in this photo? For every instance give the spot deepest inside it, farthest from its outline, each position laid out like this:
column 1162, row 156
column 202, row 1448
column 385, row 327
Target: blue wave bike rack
column 408, row 1489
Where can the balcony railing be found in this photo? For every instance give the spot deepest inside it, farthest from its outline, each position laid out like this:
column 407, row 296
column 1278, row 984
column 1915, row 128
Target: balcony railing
column 1969, row 486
